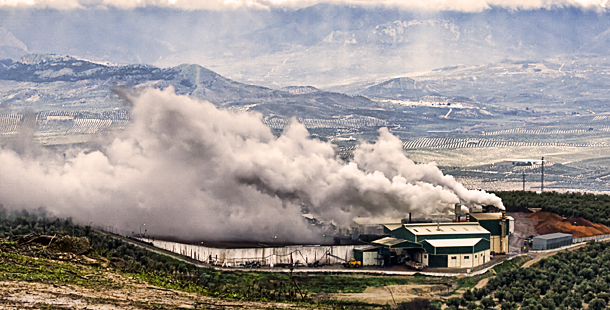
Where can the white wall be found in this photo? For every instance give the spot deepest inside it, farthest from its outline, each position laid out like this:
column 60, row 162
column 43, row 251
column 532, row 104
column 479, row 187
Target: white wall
column 467, row 260
column 370, row 259
column 233, row 257
column 498, row 247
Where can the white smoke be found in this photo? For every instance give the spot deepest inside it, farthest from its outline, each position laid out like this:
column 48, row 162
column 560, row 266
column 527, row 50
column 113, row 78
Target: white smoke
column 188, row 169
column 427, row 5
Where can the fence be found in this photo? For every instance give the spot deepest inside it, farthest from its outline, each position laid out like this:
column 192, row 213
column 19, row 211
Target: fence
column 585, row 239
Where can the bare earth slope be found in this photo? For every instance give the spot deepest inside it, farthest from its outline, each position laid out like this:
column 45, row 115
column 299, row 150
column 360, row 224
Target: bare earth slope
column 133, row 295
column 578, row 227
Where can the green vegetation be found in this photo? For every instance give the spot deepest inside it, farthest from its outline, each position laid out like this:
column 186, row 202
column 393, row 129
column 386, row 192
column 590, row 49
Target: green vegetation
column 595, row 208
column 512, row 264
column 17, row 267
column 568, row 280
column 565, row 281
column 22, row 260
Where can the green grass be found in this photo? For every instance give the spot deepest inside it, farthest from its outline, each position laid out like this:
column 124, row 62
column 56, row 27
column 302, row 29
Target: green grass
column 471, row 282
column 512, row 264
column 316, row 283
column 17, row 267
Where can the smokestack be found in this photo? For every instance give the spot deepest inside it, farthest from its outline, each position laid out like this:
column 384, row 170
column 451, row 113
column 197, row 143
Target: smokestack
column 409, row 217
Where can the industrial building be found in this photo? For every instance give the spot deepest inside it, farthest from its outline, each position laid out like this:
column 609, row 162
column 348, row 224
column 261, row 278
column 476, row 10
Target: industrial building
column 467, row 242
column 453, row 245
column 551, row 241
column 499, row 225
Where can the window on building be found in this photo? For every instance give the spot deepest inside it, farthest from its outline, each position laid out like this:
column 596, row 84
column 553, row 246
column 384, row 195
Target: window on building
column 425, row 256
column 453, row 257
column 475, row 256
column 466, row 257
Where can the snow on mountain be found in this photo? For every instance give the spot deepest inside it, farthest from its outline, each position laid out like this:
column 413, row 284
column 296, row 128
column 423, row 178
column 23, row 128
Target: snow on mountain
column 10, row 46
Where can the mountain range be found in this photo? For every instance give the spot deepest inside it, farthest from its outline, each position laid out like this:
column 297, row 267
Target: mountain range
column 46, row 82
column 322, row 45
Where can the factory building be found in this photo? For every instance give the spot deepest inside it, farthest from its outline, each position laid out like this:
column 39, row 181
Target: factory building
column 551, row 241
column 499, row 225
column 452, row 245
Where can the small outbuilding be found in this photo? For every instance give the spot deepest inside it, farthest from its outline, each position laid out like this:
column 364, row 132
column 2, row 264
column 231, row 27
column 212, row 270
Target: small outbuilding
column 551, row 241
column 391, row 249
column 368, row 255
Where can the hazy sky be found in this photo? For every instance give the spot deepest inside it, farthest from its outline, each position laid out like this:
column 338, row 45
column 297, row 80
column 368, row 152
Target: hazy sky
column 435, row 5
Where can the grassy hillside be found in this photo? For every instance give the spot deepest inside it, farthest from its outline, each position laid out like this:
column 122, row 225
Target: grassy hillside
column 44, row 252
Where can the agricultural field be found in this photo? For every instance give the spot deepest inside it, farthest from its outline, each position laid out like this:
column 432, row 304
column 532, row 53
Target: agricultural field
column 355, row 122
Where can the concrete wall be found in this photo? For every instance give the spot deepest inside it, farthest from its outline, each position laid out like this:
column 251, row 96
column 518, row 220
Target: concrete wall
column 234, row 257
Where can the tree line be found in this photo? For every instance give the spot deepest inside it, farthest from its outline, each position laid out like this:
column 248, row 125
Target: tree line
column 594, row 208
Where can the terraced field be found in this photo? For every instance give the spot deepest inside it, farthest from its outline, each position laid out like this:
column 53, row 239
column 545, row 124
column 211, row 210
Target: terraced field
column 316, row 123
column 455, row 143
column 10, row 123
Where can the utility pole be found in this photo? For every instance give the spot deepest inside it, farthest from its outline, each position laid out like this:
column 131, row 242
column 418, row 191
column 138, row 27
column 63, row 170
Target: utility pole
column 542, row 177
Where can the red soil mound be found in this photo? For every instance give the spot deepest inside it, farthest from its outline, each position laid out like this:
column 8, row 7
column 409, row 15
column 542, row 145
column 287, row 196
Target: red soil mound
column 549, row 223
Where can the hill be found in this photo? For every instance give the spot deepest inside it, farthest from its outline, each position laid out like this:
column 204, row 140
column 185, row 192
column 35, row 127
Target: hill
column 41, row 82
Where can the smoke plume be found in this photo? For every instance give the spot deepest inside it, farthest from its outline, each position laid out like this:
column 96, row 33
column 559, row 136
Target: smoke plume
column 188, row 169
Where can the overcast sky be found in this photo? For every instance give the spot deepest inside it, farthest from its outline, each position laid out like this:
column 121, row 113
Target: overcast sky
column 435, row 5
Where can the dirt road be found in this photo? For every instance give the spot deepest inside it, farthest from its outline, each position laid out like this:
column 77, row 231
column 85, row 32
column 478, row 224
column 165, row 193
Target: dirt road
column 537, row 256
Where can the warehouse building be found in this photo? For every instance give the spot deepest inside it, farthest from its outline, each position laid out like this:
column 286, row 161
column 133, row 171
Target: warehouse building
column 499, row 226
column 551, row 241
column 456, row 253
column 453, row 245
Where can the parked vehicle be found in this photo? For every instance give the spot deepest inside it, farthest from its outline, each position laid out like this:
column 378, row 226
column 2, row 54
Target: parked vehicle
column 414, row 265
column 353, row 263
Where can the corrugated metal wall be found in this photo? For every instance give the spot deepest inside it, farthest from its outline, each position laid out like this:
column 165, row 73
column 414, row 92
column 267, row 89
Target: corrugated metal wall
column 279, row 255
